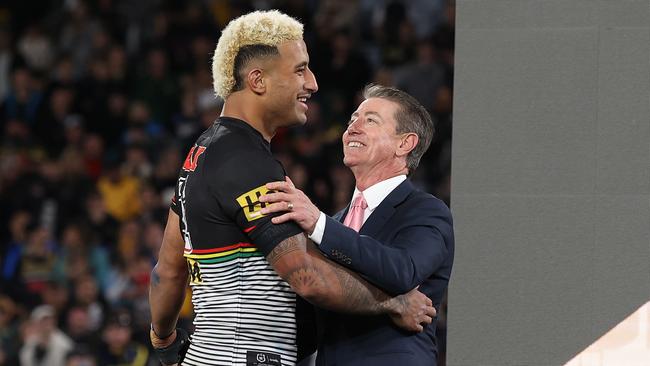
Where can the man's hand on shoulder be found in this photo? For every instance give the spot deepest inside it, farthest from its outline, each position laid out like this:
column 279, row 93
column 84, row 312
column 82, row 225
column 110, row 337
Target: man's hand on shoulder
column 293, row 202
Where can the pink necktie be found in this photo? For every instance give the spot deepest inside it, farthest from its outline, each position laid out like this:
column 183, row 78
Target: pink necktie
column 354, row 218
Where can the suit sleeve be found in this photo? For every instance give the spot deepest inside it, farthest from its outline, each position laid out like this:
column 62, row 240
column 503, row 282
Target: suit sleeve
column 420, row 247
column 237, row 187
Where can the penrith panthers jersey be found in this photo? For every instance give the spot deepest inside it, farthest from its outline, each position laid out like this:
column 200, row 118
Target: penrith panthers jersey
column 245, row 313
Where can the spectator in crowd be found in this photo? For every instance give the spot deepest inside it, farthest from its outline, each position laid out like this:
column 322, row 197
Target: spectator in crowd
column 79, row 328
column 78, row 256
column 23, row 99
column 99, row 221
column 422, row 77
column 81, row 356
column 9, row 331
column 119, row 347
column 37, row 261
column 44, row 343
column 86, row 295
column 57, row 296
column 120, row 192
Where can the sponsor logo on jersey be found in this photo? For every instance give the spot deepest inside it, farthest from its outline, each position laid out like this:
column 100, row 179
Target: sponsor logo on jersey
column 250, row 202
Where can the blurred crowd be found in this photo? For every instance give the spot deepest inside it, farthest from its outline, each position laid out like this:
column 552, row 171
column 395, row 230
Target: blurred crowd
column 99, row 103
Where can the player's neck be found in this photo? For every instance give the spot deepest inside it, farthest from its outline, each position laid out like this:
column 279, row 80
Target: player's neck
column 237, row 107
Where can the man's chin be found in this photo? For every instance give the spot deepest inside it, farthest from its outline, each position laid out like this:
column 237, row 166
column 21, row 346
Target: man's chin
column 299, row 120
column 348, row 162
column 295, row 122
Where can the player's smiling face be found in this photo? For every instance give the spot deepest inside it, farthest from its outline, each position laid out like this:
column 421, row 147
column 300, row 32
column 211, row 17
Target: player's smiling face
column 291, row 84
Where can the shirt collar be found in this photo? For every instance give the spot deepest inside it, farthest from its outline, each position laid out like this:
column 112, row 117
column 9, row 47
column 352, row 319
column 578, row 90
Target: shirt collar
column 241, row 124
column 376, row 193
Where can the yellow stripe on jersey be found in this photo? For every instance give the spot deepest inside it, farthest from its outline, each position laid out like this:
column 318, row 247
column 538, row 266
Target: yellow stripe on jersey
column 221, row 254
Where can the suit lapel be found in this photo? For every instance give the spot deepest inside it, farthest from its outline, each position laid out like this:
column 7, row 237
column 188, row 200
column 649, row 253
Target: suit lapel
column 386, row 208
column 340, row 216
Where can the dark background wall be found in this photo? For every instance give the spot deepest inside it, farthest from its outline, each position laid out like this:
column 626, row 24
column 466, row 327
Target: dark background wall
column 550, row 177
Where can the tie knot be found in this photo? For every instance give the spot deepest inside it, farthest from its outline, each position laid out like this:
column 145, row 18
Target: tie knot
column 360, row 201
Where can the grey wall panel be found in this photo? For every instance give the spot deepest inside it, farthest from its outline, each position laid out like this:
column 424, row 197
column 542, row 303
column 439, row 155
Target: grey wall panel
column 624, row 107
column 505, row 14
column 563, row 14
column 550, row 177
column 492, row 14
column 511, row 116
column 519, row 282
column 621, row 258
column 623, row 13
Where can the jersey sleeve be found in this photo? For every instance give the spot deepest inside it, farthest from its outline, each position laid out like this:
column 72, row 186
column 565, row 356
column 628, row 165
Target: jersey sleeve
column 238, row 184
column 174, row 203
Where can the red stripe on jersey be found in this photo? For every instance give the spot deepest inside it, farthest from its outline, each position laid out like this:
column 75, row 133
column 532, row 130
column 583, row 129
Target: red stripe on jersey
column 223, row 249
column 250, row 229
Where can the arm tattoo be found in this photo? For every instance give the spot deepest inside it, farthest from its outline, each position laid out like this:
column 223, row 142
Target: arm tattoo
column 304, row 276
column 155, row 278
column 359, row 294
column 296, row 242
column 328, row 284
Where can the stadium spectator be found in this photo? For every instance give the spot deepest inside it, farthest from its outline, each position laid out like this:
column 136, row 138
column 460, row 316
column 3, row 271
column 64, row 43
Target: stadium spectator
column 45, row 344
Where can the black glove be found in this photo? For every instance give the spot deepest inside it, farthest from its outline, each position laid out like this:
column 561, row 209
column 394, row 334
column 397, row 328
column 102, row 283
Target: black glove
column 175, row 352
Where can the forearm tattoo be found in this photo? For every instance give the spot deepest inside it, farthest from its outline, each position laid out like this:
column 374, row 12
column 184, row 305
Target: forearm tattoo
column 356, row 295
column 359, row 295
column 339, row 289
column 305, row 276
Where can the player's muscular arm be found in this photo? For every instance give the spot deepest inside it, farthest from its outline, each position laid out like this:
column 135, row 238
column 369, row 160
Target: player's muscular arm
column 168, row 280
column 329, row 285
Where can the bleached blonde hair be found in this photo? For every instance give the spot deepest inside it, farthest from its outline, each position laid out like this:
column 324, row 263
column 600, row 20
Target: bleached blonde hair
column 264, row 28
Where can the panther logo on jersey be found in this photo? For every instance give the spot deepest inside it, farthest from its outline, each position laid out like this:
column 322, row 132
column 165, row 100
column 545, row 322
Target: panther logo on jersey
column 194, row 271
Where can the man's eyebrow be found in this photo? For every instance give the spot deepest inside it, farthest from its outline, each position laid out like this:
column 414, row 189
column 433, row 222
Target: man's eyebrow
column 356, row 114
column 302, row 64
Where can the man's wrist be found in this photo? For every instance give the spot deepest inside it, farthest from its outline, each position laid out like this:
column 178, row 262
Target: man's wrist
column 319, row 229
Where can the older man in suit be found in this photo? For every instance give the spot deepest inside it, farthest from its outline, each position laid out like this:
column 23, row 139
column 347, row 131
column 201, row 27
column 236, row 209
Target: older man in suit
column 394, row 235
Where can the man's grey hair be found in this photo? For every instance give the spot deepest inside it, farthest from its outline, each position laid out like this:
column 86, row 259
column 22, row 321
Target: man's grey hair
column 411, row 116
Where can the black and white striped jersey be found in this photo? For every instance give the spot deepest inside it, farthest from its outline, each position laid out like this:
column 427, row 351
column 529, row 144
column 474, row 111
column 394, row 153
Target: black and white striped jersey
column 245, row 313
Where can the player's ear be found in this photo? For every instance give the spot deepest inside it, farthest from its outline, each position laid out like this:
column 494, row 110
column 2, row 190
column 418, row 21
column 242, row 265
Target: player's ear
column 255, row 81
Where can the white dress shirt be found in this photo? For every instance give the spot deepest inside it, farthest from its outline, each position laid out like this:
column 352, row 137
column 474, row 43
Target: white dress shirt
column 374, row 195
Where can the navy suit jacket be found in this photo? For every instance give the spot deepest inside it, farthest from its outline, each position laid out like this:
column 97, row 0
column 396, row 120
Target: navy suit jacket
column 407, row 241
